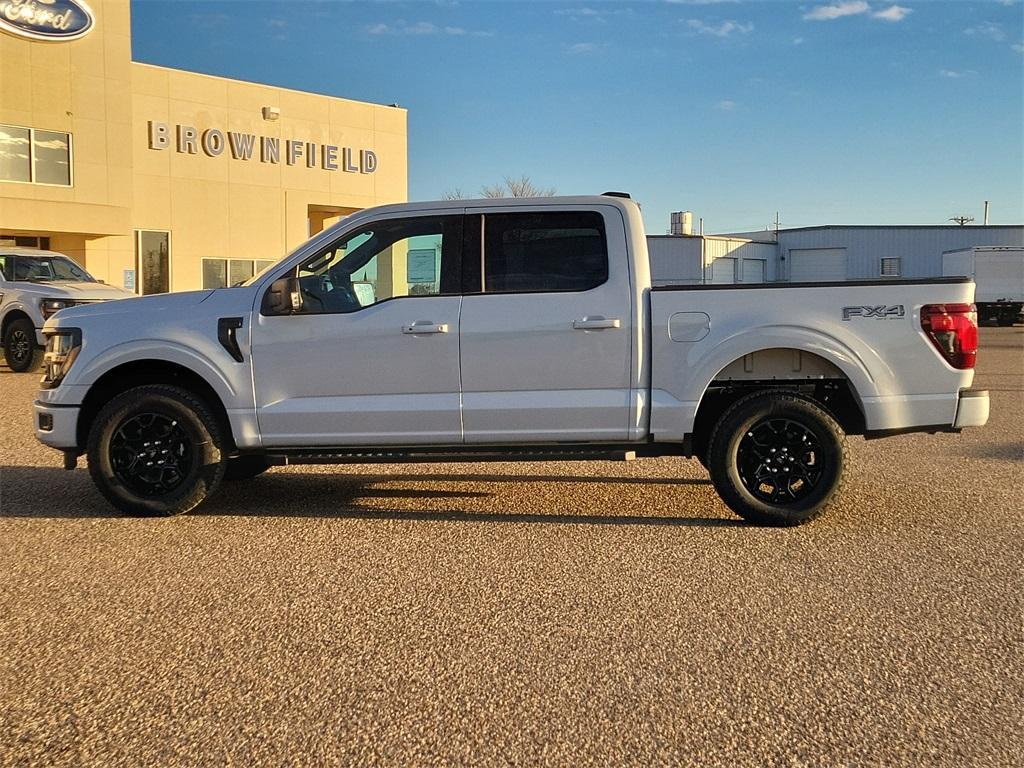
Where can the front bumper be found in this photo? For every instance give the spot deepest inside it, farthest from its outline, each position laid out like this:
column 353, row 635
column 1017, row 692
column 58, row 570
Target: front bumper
column 972, row 408
column 57, row 426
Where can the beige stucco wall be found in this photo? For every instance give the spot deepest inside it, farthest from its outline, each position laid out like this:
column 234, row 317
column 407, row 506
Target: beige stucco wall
column 227, row 207
column 81, row 87
column 213, row 206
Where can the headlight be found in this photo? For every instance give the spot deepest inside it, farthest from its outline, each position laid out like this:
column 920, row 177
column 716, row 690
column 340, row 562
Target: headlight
column 62, row 346
column 50, row 306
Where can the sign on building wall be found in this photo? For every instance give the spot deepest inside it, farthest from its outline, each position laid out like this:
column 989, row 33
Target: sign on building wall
column 214, row 142
column 52, row 20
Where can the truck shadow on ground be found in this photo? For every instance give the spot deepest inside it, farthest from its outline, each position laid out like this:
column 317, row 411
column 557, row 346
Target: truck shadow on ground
column 1013, row 451
column 43, row 492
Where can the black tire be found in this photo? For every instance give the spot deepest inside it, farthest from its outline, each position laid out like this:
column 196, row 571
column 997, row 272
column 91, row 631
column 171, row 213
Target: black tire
column 245, row 467
column 20, row 349
column 777, row 458
column 143, row 475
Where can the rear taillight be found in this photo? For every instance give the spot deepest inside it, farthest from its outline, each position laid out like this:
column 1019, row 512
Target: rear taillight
column 953, row 329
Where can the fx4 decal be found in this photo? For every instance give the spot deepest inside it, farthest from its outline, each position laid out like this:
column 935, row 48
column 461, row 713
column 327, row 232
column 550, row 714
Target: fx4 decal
column 882, row 311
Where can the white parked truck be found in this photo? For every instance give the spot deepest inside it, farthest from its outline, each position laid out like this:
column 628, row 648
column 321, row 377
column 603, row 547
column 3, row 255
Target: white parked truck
column 998, row 274
column 502, row 329
column 35, row 284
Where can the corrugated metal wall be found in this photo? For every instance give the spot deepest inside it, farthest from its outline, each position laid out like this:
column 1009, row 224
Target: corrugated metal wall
column 678, row 259
column 675, row 260
column 741, row 250
column 690, row 260
column 920, row 249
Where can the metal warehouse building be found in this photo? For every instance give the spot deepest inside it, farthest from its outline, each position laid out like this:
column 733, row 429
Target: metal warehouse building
column 861, row 253
column 809, row 254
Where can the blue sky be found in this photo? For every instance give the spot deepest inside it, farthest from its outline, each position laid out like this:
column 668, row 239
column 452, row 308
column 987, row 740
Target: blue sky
column 843, row 111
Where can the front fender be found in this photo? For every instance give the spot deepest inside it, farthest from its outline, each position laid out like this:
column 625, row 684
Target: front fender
column 164, row 351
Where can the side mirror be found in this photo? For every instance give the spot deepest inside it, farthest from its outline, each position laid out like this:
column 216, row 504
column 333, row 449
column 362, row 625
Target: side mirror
column 284, row 297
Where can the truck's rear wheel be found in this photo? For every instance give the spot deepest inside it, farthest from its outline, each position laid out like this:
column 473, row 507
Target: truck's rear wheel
column 20, row 349
column 156, row 450
column 777, row 458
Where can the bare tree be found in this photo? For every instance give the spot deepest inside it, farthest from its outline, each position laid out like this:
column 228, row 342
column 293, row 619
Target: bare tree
column 521, row 187
column 452, row 194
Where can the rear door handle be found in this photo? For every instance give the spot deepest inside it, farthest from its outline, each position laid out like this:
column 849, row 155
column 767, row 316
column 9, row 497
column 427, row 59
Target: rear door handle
column 425, row 326
column 596, row 323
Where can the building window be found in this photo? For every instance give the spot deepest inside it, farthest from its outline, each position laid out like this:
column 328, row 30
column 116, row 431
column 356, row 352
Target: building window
column 26, row 241
column 890, row 266
column 153, row 261
column 35, row 156
column 221, row 273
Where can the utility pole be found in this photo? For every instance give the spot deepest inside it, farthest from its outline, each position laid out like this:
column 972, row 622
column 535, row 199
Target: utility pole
column 962, row 220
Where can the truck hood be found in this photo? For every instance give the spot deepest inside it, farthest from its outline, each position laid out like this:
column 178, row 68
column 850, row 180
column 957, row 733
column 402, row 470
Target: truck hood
column 144, row 306
column 68, row 289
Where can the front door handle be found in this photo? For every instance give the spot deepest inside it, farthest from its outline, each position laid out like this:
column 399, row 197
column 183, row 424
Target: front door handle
column 425, row 326
column 596, row 323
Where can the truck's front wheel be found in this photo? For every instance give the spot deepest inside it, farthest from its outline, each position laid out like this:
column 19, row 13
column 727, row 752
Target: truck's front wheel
column 777, row 458
column 20, row 348
column 156, row 450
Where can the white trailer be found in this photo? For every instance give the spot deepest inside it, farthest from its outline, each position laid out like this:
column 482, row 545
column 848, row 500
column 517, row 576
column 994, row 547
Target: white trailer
column 998, row 273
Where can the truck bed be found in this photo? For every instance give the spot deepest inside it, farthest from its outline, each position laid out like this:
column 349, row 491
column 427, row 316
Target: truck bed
column 862, row 331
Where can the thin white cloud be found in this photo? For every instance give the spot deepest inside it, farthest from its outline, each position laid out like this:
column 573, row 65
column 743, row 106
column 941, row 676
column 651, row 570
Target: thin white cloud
column 957, row 74
column 837, row 10
column 596, row 15
column 579, row 49
column 701, row 2
column 798, row 41
column 726, row 105
column 987, row 29
column 422, row 28
column 1018, row 47
column 725, row 29
column 893, row 13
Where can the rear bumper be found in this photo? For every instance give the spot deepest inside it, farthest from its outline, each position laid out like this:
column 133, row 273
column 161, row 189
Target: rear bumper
column 972, row 408
column 56, row 426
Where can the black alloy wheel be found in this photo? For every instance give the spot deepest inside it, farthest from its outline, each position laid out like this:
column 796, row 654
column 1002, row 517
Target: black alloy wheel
column 780, row 461
column 20, row 349
column 157, row 449
column 777, row 458
column 151, row 454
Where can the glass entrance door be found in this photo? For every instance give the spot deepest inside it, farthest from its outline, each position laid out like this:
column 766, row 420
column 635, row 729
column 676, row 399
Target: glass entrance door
column 153, row 261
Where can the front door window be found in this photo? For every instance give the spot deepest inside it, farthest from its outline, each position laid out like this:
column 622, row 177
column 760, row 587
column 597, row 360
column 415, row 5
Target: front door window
column 388, row 259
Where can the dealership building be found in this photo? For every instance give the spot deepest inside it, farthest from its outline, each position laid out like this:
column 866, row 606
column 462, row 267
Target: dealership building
column 157, row 179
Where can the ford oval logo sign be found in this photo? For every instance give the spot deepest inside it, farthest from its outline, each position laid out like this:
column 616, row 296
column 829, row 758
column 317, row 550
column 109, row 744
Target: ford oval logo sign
column 53, row 20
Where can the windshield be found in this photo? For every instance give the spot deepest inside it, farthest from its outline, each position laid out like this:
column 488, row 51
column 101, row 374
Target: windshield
column 260, row 271
column 42, row 269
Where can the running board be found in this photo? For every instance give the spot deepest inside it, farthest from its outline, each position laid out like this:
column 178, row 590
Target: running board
column 434, row 457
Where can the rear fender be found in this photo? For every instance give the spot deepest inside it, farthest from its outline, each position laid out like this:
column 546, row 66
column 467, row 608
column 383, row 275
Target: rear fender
column 675, row 403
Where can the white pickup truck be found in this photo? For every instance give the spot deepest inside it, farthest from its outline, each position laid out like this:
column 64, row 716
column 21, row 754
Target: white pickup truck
column 502, row 329
column 35, row 284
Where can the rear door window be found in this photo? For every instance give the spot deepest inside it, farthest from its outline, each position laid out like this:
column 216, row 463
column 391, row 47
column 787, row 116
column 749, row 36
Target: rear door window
column 544, row 252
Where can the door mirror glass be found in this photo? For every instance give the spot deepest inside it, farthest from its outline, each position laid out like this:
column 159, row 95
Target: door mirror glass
column 283, row 297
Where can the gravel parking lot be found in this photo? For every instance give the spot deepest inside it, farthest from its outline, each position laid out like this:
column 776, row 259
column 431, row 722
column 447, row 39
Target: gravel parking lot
column 561, row 613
